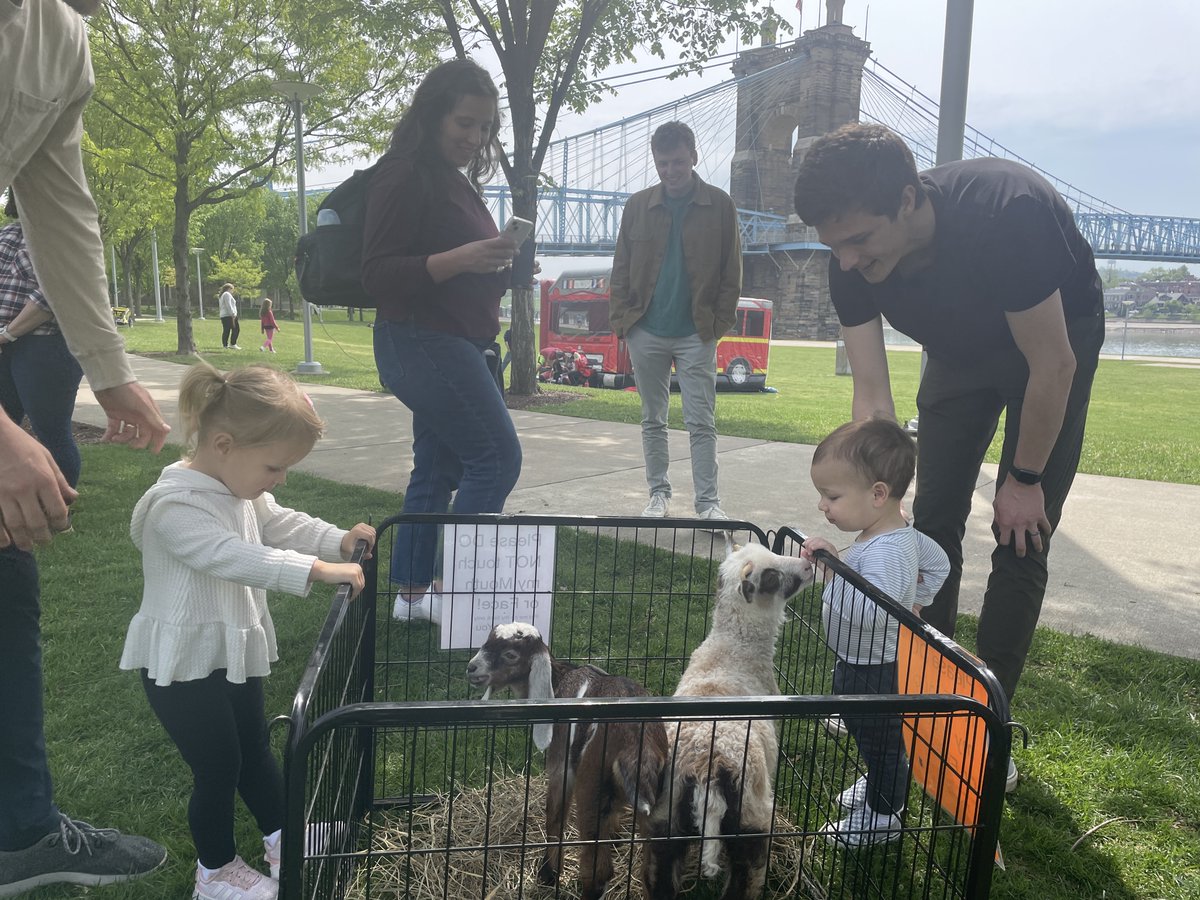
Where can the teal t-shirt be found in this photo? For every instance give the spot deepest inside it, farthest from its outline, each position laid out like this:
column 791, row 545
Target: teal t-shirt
column 670, row 311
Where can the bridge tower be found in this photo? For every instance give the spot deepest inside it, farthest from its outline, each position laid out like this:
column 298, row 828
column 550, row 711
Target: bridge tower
column 775, row 126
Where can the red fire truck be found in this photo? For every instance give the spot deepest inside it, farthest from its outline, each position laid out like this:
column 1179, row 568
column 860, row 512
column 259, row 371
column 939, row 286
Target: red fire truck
column 574, row 319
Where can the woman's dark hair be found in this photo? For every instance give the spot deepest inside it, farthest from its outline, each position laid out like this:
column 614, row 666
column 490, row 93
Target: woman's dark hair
column 10, row 205
column 858, row 168
column 416, row 134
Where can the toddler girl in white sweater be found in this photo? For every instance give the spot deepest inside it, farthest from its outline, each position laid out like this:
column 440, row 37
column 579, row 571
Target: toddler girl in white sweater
column 213, row 542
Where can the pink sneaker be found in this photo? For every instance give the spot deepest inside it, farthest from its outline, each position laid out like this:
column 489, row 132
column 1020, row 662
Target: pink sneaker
column 235, row 881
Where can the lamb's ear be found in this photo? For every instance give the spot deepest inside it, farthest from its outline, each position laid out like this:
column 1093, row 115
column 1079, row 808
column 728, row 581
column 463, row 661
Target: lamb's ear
column 541, row 687
column 747, row 584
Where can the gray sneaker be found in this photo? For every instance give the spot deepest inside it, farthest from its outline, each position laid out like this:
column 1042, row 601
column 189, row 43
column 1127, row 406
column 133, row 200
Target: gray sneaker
column 658, row 507
column 77, row 853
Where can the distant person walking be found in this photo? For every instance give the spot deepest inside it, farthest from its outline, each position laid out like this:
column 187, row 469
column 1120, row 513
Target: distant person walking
column 676, row 279
column 982, row 263
column 437, row 266
column 266, row 316
column 231, row 328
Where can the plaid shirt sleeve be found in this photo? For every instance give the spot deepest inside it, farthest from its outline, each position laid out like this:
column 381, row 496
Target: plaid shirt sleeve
column 18, row 282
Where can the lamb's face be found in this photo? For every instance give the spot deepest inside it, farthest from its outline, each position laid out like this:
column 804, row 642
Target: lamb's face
column 504, row 659
column 763, row 579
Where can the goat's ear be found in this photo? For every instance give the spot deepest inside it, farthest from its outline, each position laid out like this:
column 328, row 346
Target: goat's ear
column 541, row 687
column 541, row 684
column 543, row 733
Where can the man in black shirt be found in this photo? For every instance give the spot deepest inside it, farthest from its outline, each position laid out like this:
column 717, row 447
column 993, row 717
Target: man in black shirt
column 982, row 263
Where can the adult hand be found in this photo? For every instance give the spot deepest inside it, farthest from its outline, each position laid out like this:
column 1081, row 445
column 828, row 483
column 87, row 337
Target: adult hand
column 34, row 495
column 491, row 255
column 1019, row 511
column 133, row 417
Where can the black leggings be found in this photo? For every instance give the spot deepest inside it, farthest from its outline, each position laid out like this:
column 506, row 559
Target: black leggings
column 231, row 329
column 221, row 731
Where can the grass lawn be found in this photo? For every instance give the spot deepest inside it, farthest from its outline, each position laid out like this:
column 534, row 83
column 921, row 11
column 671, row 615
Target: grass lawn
column 1116, row 730
column 1142, row 422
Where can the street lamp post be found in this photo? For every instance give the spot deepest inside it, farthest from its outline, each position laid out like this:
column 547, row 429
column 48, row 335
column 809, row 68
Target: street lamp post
column 952, row 110
column 1126, row 305
column 297, row 92
column 199, row 283
column 158, row 316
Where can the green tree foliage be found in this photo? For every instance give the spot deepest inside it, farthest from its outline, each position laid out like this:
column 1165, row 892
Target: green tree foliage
column 1162, row 273
column 243, row 271
column 279, row 233
column 190, row 83
column 544, row 48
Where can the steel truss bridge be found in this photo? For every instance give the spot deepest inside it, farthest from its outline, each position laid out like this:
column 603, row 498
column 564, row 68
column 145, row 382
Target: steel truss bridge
column 576, row 222
column 588, row 177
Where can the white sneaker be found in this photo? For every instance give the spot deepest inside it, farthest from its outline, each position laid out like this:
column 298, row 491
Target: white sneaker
column 713, row 512
column 426, row 608
column 658, row 506
column 853, row 797
column 864, row 828
column 317, row 837
column 835, row 726
column 1010, row 782
column 234, row 347
column 235, row 881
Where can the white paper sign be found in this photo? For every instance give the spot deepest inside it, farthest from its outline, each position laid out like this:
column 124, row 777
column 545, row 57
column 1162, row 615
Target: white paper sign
column 493, row 574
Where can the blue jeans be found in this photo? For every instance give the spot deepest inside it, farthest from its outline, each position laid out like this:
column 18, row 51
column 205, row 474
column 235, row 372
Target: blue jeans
column 463, row 437
column 27, row 811
column 39, row 378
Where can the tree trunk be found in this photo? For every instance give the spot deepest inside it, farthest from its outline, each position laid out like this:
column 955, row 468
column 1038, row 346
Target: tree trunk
column 524, row 355
column 185, row 342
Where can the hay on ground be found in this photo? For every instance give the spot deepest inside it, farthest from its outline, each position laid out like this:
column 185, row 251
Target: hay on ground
column 494, row 835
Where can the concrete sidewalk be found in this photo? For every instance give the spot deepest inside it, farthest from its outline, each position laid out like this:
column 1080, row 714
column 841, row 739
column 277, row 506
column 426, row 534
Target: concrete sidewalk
column 1125, row 565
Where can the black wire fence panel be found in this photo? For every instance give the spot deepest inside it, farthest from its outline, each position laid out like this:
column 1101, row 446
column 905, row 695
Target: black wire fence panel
column 402, row 782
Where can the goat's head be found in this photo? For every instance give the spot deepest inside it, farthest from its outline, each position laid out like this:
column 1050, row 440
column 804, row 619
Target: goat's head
column 514, row 656
column 765, row 581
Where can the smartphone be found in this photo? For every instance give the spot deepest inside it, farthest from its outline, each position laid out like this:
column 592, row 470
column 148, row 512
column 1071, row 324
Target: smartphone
column 518, row 229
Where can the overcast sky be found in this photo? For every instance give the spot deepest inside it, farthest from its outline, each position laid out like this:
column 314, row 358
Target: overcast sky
column 1102, row 94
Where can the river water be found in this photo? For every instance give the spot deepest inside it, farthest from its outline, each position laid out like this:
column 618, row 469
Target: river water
column 1140, row 339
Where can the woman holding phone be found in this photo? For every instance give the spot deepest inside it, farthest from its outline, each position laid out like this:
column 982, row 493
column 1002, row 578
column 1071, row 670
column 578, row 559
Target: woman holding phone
column 437, row 266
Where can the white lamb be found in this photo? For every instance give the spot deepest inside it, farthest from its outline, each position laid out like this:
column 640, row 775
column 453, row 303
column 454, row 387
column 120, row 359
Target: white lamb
column 720, row 779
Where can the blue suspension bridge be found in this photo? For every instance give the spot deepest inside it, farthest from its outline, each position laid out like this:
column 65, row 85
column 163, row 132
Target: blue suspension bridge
column 587, row 177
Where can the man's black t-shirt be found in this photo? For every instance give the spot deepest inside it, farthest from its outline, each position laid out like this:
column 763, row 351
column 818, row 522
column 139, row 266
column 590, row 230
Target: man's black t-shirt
column 1004, row 241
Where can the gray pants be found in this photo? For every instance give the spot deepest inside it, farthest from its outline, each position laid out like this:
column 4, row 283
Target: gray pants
column 696, row 366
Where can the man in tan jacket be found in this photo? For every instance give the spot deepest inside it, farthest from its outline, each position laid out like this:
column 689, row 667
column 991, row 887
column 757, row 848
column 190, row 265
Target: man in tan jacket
column 677, row 276
column 45, row 82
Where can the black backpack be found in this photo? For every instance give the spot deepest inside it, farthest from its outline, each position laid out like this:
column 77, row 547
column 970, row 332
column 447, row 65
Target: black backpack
column 329, row 258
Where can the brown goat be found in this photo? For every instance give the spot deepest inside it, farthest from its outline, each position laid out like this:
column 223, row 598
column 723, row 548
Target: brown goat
column 609, row 767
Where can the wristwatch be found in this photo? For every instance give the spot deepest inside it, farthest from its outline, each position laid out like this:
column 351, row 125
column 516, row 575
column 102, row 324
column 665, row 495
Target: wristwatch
column 1026, row 476
column 8, row 336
